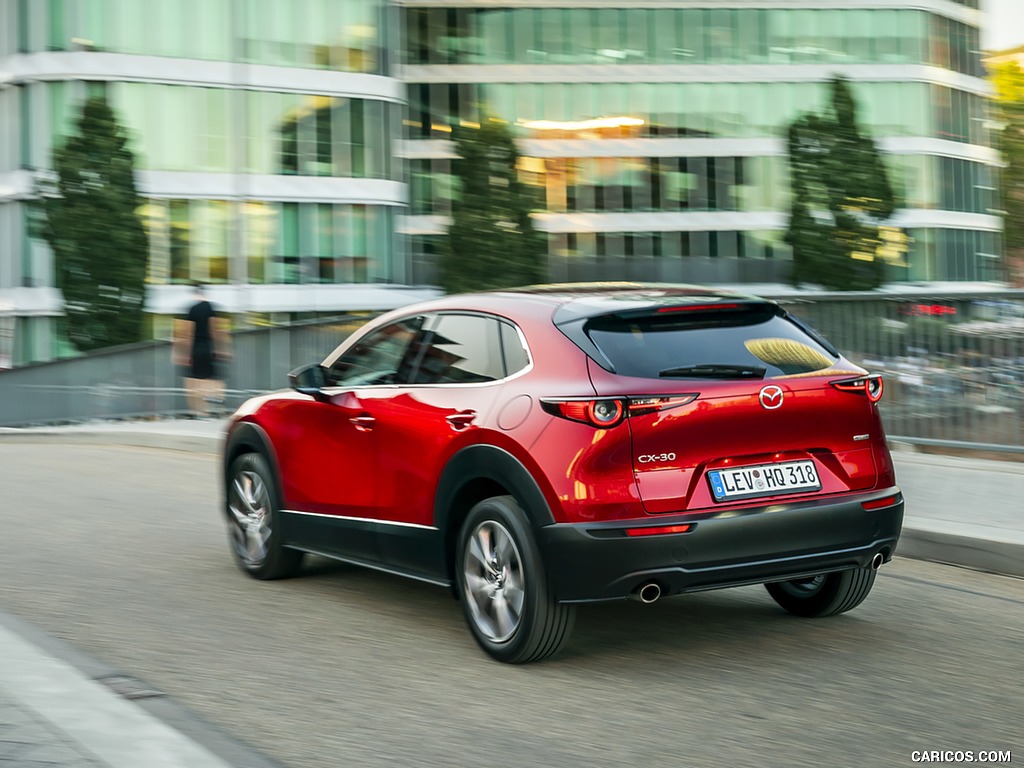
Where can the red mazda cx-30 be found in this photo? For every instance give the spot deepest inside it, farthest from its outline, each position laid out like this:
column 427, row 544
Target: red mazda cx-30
column 541, row 447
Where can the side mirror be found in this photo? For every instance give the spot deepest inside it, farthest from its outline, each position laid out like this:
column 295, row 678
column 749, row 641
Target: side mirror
column 308, row 380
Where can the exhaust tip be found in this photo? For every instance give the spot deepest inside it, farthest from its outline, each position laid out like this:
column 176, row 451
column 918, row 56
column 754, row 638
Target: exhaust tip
column 648, row 593
column 876, row 561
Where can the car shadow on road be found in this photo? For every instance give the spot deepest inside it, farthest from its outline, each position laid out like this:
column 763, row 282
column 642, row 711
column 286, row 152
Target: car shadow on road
column 681, row 631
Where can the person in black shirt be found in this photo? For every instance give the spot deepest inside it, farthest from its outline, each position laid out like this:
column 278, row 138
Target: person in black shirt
column 200, row 340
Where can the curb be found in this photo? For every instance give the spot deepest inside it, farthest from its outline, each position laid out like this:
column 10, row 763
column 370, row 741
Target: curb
column 954, row 545
column 167, row 440
column 999, row 551
column 128, row 703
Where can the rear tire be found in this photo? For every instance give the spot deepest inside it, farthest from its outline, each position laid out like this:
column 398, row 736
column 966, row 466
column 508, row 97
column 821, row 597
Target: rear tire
column 503, row 588
column 825, row 594
column 254, row 520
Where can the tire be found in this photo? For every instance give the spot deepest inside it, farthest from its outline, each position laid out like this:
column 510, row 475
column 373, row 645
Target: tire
column 825, row 594
column 503, row 588
column 254, row 525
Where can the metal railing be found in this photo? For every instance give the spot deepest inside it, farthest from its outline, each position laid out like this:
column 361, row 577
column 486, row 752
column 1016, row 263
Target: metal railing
column 953, row 365
column 140, row 380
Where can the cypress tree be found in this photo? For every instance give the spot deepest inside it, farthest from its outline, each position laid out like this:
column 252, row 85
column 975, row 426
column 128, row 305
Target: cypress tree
column 491, row 242
column 91, row 224
column 840, row 195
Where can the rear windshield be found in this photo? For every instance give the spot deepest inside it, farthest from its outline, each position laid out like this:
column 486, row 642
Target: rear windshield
column 753, row 341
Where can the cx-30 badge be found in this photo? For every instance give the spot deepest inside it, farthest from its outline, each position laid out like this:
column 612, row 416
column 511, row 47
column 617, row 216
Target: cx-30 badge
column 770, row 397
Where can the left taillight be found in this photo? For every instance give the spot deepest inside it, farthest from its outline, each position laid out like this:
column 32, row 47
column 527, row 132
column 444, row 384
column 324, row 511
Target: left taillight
column 871, row 385
column 607, row 412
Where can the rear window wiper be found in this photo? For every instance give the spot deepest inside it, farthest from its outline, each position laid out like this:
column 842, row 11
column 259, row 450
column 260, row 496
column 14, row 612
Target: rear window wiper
column 716, row 372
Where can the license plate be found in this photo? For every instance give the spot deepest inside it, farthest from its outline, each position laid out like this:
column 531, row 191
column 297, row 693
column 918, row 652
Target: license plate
column 764, row 480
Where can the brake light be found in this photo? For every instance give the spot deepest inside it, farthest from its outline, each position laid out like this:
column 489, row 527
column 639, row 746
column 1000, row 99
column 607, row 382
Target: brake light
column 696, row 307
column 872, row 386
column 658, row 530
column 603, row 413
column 607, row 412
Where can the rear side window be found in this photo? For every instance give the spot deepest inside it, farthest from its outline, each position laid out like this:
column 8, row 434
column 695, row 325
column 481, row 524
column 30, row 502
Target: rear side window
column 516, row 357
column 753, row 341
column 460, row 349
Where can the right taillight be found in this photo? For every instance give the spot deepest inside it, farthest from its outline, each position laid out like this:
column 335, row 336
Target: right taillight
column 607, row 412
column 871, row 385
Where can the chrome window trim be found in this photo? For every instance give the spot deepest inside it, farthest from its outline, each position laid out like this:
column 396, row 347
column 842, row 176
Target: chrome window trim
column 333, row 357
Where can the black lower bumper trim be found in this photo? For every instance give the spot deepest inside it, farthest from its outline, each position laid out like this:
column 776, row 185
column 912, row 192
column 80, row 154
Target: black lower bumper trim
column 595, row 562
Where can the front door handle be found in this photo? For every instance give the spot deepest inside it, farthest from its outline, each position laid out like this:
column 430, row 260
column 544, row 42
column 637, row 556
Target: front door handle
column 363, row 423
column 461, row 420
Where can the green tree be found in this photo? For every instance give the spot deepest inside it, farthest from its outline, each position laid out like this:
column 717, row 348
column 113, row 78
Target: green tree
column 491, row 242
column 1008, row 80
column 840, row 195
column 97, row 238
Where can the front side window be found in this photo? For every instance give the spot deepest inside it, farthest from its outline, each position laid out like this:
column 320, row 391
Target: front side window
column 382, row 357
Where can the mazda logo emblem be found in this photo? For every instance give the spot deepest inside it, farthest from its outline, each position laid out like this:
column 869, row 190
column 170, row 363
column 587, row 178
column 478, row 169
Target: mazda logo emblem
column 770, row 397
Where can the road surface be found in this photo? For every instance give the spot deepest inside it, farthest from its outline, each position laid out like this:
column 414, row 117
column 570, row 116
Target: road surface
column 122, row 553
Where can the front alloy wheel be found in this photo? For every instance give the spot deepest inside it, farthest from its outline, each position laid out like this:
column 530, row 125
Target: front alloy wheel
column 249, row 505
column 253, row 521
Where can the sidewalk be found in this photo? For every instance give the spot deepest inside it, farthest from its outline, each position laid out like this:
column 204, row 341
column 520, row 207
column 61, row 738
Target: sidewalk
column 61, row 710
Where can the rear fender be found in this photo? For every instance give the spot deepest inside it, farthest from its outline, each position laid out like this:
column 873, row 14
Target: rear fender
column 477, row 472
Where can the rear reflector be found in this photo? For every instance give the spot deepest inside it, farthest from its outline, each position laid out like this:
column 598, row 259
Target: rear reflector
column 659, row 530
column 888, row 501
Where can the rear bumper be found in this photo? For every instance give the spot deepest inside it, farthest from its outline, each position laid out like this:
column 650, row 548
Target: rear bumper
column 589, row 562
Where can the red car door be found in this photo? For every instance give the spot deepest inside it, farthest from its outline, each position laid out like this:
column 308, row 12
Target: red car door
column 330, row 452
column 457, row 377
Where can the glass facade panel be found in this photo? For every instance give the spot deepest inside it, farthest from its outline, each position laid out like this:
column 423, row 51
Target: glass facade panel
column 346, row 34
column 342, row 35
column 721, row 110
column 183, row 128
column 281, row 242
column 714, row 35
column 693, row 33
column 752, row 36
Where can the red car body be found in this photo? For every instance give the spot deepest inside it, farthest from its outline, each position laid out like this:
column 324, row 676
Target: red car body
column 620, row 478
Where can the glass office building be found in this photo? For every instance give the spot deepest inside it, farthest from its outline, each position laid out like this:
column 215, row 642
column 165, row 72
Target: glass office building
column 652, row 132
column 264, row 133
column 297, row 153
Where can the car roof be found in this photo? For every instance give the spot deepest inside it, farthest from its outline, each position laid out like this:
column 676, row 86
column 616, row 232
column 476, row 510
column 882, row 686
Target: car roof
column 579, row 300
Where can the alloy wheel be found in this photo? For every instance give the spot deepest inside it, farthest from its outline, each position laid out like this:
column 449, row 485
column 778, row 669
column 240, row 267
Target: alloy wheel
column 249, row 506
column 494, row 581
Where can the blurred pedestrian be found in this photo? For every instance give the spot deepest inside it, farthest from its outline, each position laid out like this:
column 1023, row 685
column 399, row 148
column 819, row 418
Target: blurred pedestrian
column 201, row 341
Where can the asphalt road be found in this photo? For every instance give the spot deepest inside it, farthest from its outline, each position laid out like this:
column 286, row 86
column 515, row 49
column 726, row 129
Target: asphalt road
column 122, row 553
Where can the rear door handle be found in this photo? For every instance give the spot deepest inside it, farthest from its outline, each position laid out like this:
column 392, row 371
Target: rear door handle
column 461, row 420
column 363, row 423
